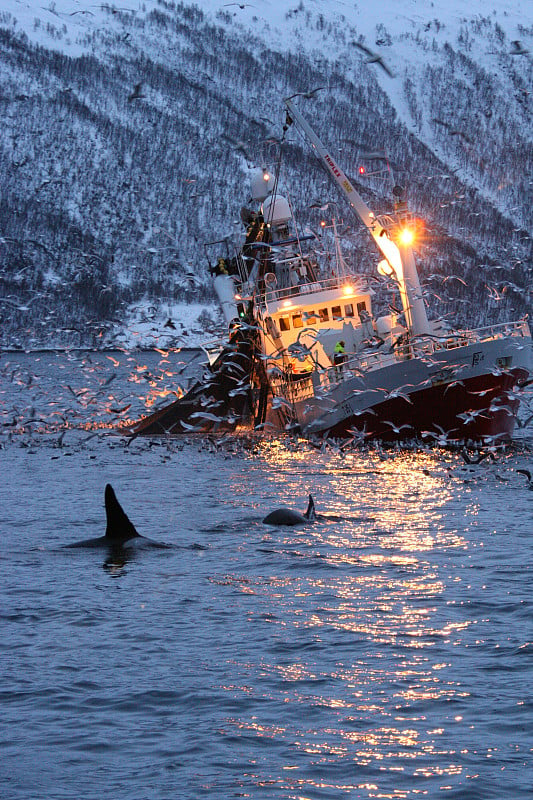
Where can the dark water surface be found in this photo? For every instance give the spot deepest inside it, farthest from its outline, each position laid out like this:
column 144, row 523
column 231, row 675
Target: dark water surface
column 383, row 652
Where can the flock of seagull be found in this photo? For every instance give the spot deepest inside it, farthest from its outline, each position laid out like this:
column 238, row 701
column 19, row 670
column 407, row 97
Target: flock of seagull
column 37, row 409
column 100, row 406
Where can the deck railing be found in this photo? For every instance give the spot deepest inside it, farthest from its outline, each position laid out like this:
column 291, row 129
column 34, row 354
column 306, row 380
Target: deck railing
column 370, row 360
column 426, row 346
column 357, row 281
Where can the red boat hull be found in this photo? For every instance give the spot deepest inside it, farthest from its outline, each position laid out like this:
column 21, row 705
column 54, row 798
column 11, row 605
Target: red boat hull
column 434, row 412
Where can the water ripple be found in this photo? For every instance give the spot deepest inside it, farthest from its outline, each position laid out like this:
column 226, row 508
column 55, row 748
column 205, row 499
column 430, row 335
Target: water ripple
column 383, row 652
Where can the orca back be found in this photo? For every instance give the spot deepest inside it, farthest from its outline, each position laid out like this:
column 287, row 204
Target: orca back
column 310, row 514
column 119, row 527
column 286, row 516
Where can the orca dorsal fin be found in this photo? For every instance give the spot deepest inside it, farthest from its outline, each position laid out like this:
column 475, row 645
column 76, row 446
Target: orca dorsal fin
column 310, row 514
column 119, row 527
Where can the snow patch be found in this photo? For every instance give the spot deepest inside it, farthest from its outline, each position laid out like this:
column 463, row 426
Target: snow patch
column 168, row 324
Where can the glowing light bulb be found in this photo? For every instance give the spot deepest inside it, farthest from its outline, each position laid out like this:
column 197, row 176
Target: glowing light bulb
column 406, row 236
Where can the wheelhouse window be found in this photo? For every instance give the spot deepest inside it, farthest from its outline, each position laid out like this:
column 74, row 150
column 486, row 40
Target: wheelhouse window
column 284, row 324
column 348, row 310
column 361, row 306
column 310, row 317
column 297, row 321
column 323, row 314
column 336, row 312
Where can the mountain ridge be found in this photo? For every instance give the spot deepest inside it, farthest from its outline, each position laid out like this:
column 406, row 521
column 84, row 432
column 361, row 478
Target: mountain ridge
column 108, row 200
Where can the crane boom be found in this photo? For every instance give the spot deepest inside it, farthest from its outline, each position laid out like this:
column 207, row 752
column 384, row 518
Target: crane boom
column 400, row 258
column 354, row 198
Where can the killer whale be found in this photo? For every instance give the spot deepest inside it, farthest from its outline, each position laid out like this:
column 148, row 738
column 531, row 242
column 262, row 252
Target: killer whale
column 120, row 530
column 286, row 516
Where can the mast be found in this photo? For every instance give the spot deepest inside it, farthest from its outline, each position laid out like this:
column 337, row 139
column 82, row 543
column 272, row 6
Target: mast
column 399, row 257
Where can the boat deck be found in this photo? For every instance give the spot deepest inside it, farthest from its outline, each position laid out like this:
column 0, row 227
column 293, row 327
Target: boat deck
column 420, row 348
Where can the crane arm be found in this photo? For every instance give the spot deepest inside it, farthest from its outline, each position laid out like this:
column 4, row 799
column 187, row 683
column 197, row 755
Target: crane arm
column 367, row 217
column 401, row 258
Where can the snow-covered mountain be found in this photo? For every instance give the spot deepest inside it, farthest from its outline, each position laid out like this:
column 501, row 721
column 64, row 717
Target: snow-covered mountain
column 130, row 129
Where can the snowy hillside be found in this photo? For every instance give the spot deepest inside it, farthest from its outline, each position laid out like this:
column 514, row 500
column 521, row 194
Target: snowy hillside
column 130, row 130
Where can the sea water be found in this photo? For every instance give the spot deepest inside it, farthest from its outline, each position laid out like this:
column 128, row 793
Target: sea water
column 384, row 651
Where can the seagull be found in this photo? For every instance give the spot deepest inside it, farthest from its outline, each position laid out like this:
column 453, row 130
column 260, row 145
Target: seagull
column 481, row 456
column 495, row 406
column 453, row 278
column 357, row 436
column 191, row 428
column 321, row 206
column 470, row 416
column 455, row 383
column 397, row 428
column 452, row 131
column 206, row 415
column 375, row 58
column 239, row 147
column 527, row 473
column 440, row 438
column 397, row 393
column 136, row 94
column 518, row 48
column 362, row 411
column 280, row 402
column 307, row 95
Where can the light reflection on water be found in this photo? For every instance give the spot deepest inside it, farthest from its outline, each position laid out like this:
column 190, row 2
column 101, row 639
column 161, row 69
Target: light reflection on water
column 382, row 652
column 394, row 605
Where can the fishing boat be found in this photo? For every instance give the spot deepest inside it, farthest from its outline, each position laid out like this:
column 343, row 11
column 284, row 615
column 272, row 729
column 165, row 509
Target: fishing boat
column 306, row 353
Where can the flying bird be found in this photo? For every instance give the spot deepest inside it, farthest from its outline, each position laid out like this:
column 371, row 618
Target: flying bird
column 471, row 415
column 518, row 48
column 527, row 473
column 320, row 206
column 480, row 457
column 397, row 428
column 451, row 130
column 239, row 147
column 397, row 393
column 307, row 95
column 374, row 58
column 136, row 94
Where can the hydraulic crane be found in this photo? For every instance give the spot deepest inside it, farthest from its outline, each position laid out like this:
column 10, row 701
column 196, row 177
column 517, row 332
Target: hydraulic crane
column 398, row 254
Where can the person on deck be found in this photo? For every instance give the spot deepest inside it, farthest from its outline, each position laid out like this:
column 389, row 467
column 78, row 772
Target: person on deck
column 220, row 268
column 339, row 356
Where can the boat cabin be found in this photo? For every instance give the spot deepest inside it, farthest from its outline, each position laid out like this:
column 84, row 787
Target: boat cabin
column 318, row 315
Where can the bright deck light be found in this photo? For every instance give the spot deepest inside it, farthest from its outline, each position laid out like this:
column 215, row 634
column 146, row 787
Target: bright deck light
column 347, row 290
column 406, row 236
